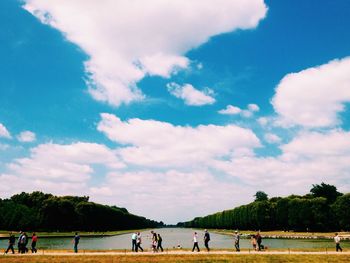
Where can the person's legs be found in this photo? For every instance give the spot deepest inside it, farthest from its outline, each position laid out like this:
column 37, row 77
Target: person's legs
column 75, row 248
column 196, row 244
column 237, row 246
column 259, row 246
column 206, row 244
column 139, row 246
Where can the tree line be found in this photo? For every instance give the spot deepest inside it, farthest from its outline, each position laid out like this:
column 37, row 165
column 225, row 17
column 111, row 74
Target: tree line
column 323, row 209
column 38, row 211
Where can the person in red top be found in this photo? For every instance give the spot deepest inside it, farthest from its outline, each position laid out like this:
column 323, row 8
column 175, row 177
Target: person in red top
column 34, row 240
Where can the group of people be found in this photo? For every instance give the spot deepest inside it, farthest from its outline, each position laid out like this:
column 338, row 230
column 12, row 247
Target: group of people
column 156, row 242
column 22, row 243
column 136, row 241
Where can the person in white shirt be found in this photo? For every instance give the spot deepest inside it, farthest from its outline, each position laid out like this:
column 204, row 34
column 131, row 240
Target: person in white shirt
column 195, row 242
column 133, row 242
column 337, row 242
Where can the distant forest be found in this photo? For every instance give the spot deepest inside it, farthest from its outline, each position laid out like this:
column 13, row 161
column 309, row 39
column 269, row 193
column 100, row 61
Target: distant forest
column 323, row 209
column 46, row 212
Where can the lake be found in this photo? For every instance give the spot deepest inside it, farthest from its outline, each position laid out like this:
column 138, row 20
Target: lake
column 172, row 237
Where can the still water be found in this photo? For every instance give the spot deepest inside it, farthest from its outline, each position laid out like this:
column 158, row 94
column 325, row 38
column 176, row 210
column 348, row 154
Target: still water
column 172, row 237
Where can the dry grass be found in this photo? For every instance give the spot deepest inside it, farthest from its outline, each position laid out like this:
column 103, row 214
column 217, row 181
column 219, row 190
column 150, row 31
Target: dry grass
column 177, row 258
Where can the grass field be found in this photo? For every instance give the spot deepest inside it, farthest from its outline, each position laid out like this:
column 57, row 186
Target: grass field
column 177, row 258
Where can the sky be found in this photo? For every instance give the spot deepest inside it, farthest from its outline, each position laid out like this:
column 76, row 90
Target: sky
column 174, row 109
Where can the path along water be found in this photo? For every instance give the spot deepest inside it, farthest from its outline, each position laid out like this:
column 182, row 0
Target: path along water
column 172, row 237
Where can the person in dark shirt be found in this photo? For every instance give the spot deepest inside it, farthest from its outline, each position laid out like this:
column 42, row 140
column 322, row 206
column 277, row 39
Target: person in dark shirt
column 12, row 241
column 258, row 240
column 76, row 242
column 34, row 240
column 159, row 245
column 206, row 239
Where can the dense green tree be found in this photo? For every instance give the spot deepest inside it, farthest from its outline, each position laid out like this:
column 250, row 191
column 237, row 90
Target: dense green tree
column 341, row 211
column 261, row 196
column 325, row 190
column 39, row 211
column 311, row 212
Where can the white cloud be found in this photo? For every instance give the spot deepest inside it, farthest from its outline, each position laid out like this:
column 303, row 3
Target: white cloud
column 26, row 136
column 233, row 110
column 190, row 95
column 4, row 132
column 127, row 40
column 313, row 97
column 154, row 143
column 311, row 157
column 64, row 163
column 230, row 110
column 179, row 196
column 253, row 107
column 263, row 121
column 272, row 138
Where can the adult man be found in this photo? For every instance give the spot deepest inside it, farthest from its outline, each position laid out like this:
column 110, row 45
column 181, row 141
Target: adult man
column 258, row 240
column 76, row 242
column 236, row 237
column 206, row 239
column 12, row 241
column 133, row 242
column 337, row 243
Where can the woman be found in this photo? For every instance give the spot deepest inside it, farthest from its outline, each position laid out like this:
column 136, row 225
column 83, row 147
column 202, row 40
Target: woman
column 154, row 242
column 195, row 242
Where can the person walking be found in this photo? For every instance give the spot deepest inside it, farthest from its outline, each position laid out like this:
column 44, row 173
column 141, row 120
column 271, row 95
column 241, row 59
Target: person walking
column 258, row 241
column 133, row 242
column 159, row 245
column 24, row 243
column 19, row 242
column 195, row 242
column 34, row 241
column 154, row 243
column 337, row 242
column 206, row 239
column 236, row 238
column 12, row 241
column 253, row 241
column 138, row 242
column 76, row 242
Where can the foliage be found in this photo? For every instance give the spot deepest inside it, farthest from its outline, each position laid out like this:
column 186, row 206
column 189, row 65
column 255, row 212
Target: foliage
column 312, row 212
column 325, row 190
column 261, row 196
column 39, row 211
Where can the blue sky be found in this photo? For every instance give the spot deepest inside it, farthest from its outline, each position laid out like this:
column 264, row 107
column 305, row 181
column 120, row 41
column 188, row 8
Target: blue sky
column 162, row 82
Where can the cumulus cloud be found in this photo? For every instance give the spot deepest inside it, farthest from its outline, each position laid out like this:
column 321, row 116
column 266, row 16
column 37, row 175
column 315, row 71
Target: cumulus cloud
column 127, row 40
column 54, row 165
column 311, row 157
column 313, row 97
column 230, row 110
column 26, row 136
column 190, row 95
column 233, row 110
column 154, row 143
column 4, row 132
column 179, row 196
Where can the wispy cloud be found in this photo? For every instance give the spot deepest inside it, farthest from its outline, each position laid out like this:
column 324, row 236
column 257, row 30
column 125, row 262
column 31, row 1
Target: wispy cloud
column 191, row 95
